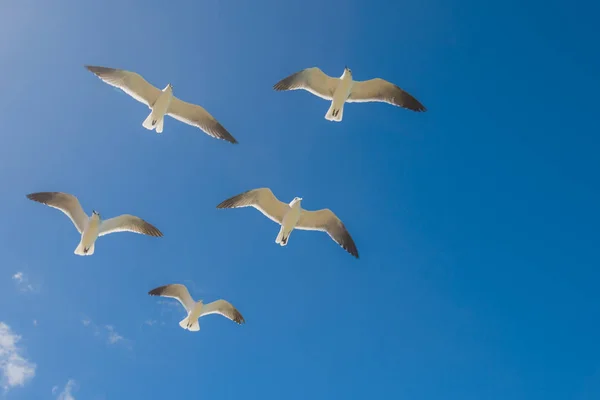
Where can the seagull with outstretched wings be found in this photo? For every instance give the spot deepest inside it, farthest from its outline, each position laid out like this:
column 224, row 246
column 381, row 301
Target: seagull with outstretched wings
column 293, row 216
column 196, row 309
column 92, row 227
column 161, row 102
column 345, row 90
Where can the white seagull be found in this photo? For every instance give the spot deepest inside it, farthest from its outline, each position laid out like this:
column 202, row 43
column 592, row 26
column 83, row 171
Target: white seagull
column 161, row 102
column 92, row 227
column 196, row 309
column 343, row 89
column 292, row 216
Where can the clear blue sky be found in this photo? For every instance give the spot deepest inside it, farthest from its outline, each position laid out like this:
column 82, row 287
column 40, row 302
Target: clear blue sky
column 477, row 222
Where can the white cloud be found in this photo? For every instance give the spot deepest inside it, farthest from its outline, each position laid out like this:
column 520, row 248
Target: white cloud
column 23, row 282
column 172, row 303
column 66, row 394
column 150, row 322
column 35, row 323
column 15, row 369
column 112, row 336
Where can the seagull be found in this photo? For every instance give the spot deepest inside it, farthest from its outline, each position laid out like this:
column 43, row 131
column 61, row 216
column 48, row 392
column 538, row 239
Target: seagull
column 161, row 102
column 92, row 227
column 196, row 309
column 345, row 90
column 292, row 216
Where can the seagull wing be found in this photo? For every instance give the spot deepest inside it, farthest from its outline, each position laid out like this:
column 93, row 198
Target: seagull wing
column 128, row 223
column 67, row 203
column 383, row 91
column 262, row 199
column 325, row 220
column 223, row 308
column 310, row 79
column 175, row 291
column 197, row 116
column 131, row 83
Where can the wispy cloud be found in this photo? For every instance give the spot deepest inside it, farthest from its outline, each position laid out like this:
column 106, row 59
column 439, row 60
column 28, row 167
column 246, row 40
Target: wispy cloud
column 170, row 303
column 113, row 336
column 66, row 393
column 23, row 282
column 16, row 370
column 107, row 331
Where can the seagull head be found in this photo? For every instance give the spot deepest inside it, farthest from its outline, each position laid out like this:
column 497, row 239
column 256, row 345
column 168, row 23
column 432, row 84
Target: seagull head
column 347, row 70
column 169, row 86
column 94, row 212
column 297, row 199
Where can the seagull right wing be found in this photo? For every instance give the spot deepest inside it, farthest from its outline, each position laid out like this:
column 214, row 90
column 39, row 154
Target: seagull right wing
column 312, row 80
column 131, row 83
column 175, row 291
column 197, row 116
column 383, row 91
column 223, row 308
column 325, row 220
column 262, row 199
column 67, row 203
column 128, row 223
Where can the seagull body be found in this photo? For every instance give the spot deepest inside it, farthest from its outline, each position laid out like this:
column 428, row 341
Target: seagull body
column 196, row 309
column 156, row 118
column 92, row 227
column 291, row 216
column 161, row 103
column 344, row 89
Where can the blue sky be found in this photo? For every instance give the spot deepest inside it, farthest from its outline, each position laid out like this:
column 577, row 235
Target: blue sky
column 476, row 222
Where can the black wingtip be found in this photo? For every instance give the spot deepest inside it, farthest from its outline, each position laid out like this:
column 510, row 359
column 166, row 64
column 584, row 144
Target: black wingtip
column 230, row 202
column 157, row 291
column 98, row 70
column 226, row 203
column 353, row 250
column 238, row 318
column 286, row 83
column 40, row 197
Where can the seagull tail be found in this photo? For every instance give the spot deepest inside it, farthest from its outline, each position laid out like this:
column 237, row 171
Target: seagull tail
column 80, row 250
column 282, row 237
column 191, row 326
column 160, row 124
column 148, row 122
column 334, row 113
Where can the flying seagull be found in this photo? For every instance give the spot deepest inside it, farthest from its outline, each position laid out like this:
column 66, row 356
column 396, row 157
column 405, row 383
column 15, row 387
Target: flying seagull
column 196, row 309
column 292, row 216
column 92, row 227
column 345, row 90
column 161, row 102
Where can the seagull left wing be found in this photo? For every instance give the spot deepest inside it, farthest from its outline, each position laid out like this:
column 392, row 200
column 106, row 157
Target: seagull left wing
column 65, row 202
column 128, row 223
column 262, row 199
column 175, row 291
column 312, row 80
column 223, row 308
column 325, row 220
column 383, row 91
column 131, row 83
column 197, row 116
